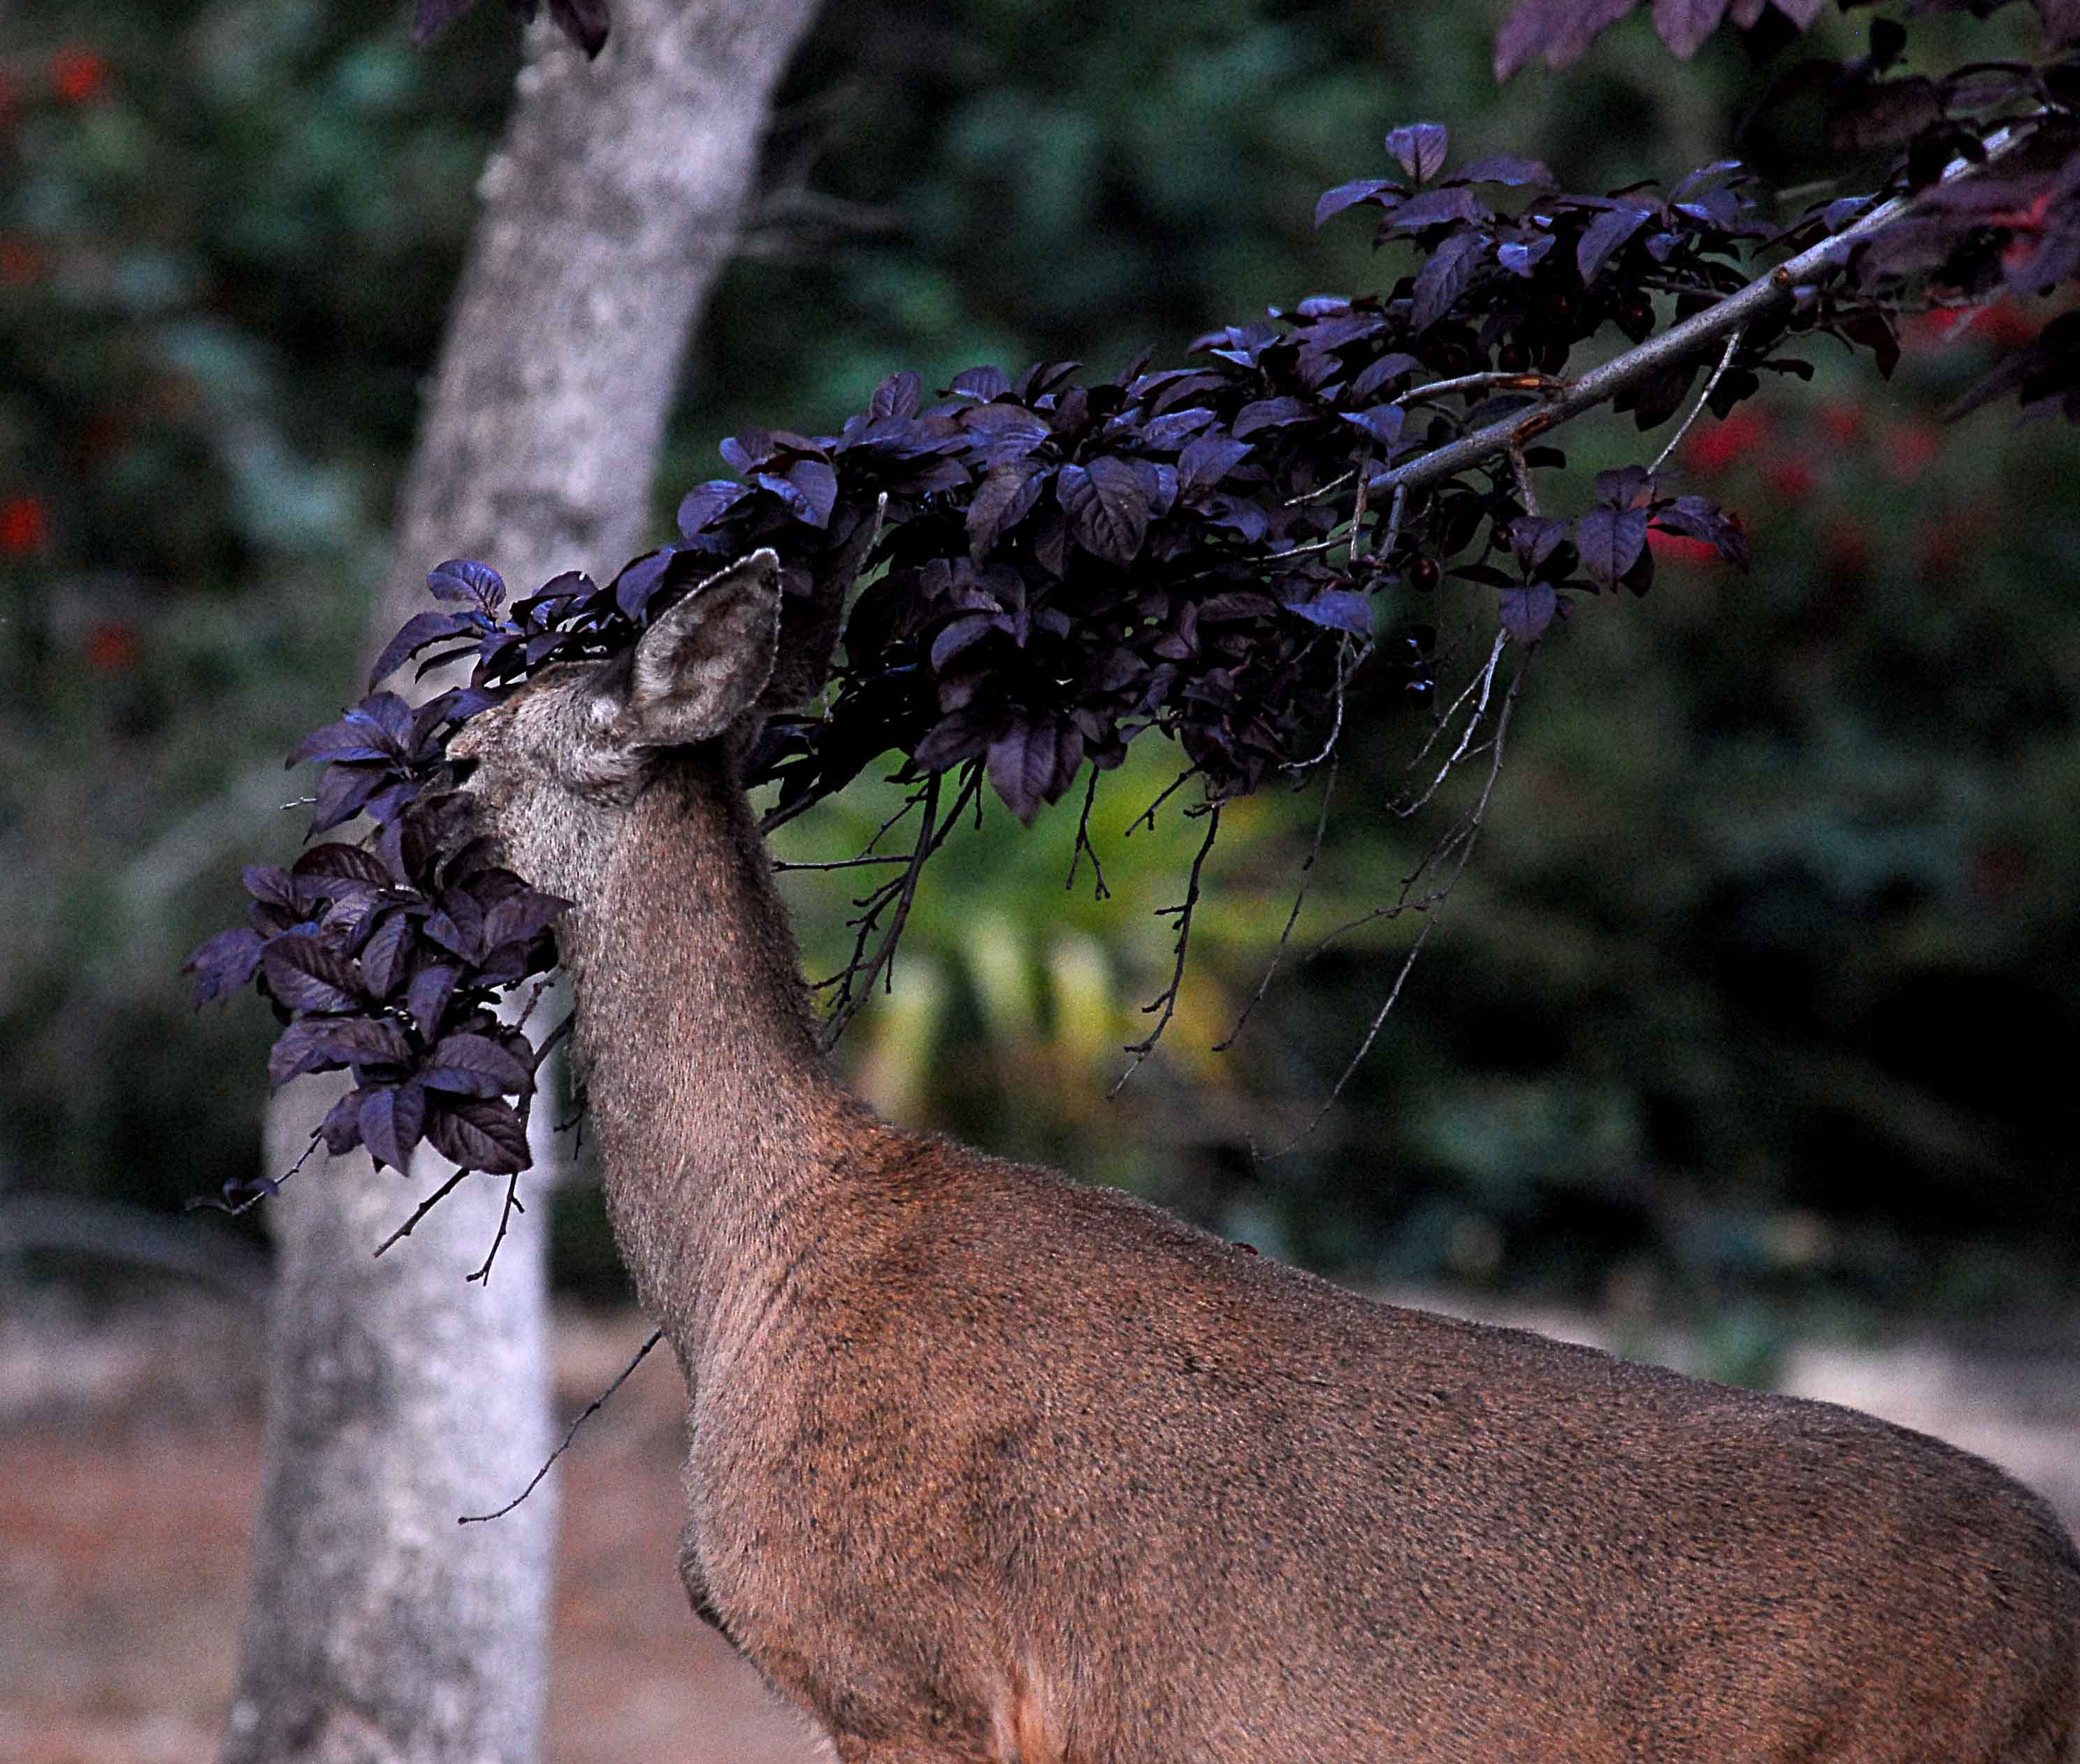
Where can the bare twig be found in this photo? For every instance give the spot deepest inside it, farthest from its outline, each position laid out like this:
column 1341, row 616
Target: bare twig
column 1330, row 488
column 1519, row 470
column 1697, row 409
column 1479, row 687
column 1147, row 817
column 1166, row 1001
column 426, row 1207
column 855, row 981
column 1099, row 891
column 266, row 1187
column 584, row 1414
column 505, row 1215
column 1477, row 383
column 1299, row 900
column 1336, row 724
column 865, row 860
column 1463, row 837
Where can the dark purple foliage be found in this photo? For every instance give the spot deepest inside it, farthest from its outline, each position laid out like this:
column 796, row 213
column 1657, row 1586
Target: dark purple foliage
column 1057, row 566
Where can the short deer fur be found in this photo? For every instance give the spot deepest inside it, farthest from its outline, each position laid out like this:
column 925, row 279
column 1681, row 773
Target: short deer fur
column 987, row 1464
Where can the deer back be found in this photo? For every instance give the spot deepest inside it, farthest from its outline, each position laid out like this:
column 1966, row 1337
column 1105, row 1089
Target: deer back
column 986, row 1464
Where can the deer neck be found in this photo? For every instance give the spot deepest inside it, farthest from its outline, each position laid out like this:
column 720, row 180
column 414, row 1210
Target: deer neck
column 715, row 1112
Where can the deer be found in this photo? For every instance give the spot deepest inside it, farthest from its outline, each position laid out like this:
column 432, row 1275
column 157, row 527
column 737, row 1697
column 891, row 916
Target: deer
column 985, row 1464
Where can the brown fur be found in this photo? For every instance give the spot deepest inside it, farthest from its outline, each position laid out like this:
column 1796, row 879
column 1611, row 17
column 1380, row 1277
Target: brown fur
column 987, row 1465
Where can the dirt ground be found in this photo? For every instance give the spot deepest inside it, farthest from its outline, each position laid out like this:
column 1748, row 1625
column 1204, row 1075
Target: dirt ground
column 129, row 1457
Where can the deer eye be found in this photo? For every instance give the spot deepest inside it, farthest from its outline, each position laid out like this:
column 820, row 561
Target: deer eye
column 461, row 771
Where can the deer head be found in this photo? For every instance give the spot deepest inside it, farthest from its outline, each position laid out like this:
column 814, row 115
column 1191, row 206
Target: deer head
column 554, row 768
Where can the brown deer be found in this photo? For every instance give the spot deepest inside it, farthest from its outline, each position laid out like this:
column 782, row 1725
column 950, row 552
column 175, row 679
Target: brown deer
column 987, row 1464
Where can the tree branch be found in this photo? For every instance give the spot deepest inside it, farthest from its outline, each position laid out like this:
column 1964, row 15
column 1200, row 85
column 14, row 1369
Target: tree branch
column 1694, row 335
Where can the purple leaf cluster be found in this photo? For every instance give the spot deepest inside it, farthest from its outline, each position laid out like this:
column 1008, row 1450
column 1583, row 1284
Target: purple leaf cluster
column 386, row 958
column 1055, row 565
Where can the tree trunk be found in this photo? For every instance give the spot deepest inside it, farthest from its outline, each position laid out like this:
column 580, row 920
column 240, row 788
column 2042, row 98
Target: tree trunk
column 401, row 1397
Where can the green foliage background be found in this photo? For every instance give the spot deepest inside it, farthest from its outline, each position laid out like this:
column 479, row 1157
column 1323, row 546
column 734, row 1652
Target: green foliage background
column 1735, row 1010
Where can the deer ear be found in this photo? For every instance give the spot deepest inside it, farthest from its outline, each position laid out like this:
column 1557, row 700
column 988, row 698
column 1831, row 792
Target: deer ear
column 704, row 662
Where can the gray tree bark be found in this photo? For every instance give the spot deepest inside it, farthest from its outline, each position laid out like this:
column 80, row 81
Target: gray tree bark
column 399, row 1395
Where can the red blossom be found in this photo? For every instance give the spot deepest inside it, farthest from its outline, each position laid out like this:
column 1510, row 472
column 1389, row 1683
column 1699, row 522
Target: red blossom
column 24, row 524
column 1791, row 479
column 21, row 261
column 1846, row 549
column 1727, row 441
column 112, row 646
column 1911, row 449
column 1842, row 420
column 79, row 75
column 1680, row 547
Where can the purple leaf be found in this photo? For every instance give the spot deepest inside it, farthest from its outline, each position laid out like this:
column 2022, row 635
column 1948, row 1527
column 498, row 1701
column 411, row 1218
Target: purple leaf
column 224, row 963
column 705, row 502
column 1559, row 30
column 1610, row 541
column 1237, row 603
column 1108, row 508
column 464, row 579
column 981, row 383
column 1520, row 257
column 428, row 995
column 350, row 738
column 1001, row 500
column 1382, row 422
column 1420, row 147
column 340, row 1130
column 1603, row 236
column 1438, row 208
column 414, row 636
column 384, row 955
column 1504, row 169
column 343, row 789
column 476, row 1066
column 1334, row 202
column 1533, row 538
column 639, row 580
column 1339, row 610
column 961, row 633
column 1208, row 458
column 809, row 489
column 479, row 1135
column 1271, row 413
column 1685, row 24
column 1000, row 432
column 317, row 1044
column 1444, row 278
column 342, row 863
column 896, row 396
column 746, row 451
column 1526, row 611
column 523, row 917
column 1394, row 366
column 307, row 976
column 1174, row 430
column 393, row 1119
column 1022, row 766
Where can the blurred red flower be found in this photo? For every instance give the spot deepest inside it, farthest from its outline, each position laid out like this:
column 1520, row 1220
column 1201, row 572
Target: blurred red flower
column 24, row 524
column 1792, row 478
column 21, row 261
column 1680, row 547
column 112, row 648
column 78, row 74
column 1726, row 442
